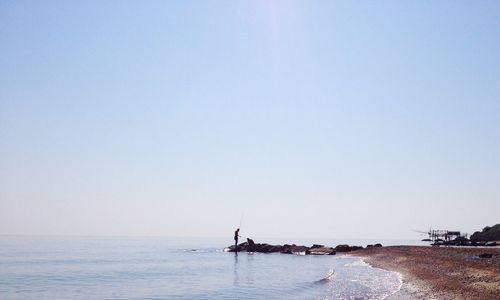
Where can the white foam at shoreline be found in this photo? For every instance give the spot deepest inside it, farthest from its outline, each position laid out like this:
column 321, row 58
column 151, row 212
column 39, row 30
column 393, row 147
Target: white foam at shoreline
column 400, row 277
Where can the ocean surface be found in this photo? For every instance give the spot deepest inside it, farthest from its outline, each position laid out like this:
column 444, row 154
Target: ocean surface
column 174, row 268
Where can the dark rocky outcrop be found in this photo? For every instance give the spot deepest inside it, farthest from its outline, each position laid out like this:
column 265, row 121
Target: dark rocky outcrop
column 343, row 248
column 459, row 241
column 294, row 249
column 487, row 234
column 347, row 248
column 316, row 249
column 251, row 245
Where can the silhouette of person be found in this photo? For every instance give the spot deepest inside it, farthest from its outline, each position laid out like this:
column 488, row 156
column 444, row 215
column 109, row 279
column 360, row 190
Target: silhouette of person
column 236, row 236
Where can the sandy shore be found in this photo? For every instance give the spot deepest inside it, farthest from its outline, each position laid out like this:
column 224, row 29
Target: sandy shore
column 439, row 272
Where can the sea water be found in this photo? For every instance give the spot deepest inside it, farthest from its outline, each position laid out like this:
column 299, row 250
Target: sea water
column 167, row 268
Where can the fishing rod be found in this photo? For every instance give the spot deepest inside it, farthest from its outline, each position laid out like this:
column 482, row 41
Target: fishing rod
column 241, row 220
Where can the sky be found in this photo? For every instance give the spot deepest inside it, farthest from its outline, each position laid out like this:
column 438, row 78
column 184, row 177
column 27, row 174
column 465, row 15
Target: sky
column 302, row 119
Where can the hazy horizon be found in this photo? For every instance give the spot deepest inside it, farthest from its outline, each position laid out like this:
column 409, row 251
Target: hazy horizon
column 318, row 119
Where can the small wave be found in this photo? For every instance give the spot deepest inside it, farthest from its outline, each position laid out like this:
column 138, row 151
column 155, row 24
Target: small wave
column 394, row 288
column 330, row 276
column 400, row 285
column 358, row 263
column 203, row 250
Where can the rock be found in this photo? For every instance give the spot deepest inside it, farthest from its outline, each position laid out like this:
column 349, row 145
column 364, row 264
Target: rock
column 266, row 248
column 347, row 248
column 343, row 248
column 275, row 248
column 321, row 251
column 241, row 248
column 293, row 249
column 316, row 249
column 263, row 248
column 251, row 245
column 377, row 245
column 299, row 250
column 459, row 241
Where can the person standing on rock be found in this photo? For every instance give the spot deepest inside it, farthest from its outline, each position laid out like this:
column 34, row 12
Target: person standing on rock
column 236, row 236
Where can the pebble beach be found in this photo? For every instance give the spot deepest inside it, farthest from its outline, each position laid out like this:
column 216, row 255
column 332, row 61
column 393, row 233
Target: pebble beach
column 440, row 272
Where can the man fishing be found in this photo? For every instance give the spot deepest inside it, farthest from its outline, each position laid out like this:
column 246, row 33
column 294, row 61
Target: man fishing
column 236, row 236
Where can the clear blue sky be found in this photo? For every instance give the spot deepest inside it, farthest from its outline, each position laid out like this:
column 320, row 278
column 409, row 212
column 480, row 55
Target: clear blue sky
column 313, row 118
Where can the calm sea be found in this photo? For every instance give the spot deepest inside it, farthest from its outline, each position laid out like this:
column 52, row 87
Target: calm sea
column 167, row 268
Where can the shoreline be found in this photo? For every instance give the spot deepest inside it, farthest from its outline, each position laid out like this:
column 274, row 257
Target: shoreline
column 438, row 272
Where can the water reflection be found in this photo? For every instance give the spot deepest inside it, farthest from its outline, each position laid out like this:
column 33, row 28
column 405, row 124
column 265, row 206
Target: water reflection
column 250, row 269
column 243, row 269
column 236, row 278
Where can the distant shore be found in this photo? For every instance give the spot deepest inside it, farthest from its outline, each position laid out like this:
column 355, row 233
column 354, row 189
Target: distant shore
column 439, row 272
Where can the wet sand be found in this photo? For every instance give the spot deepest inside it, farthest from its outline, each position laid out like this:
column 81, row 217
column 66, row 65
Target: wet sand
column 439, row 272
